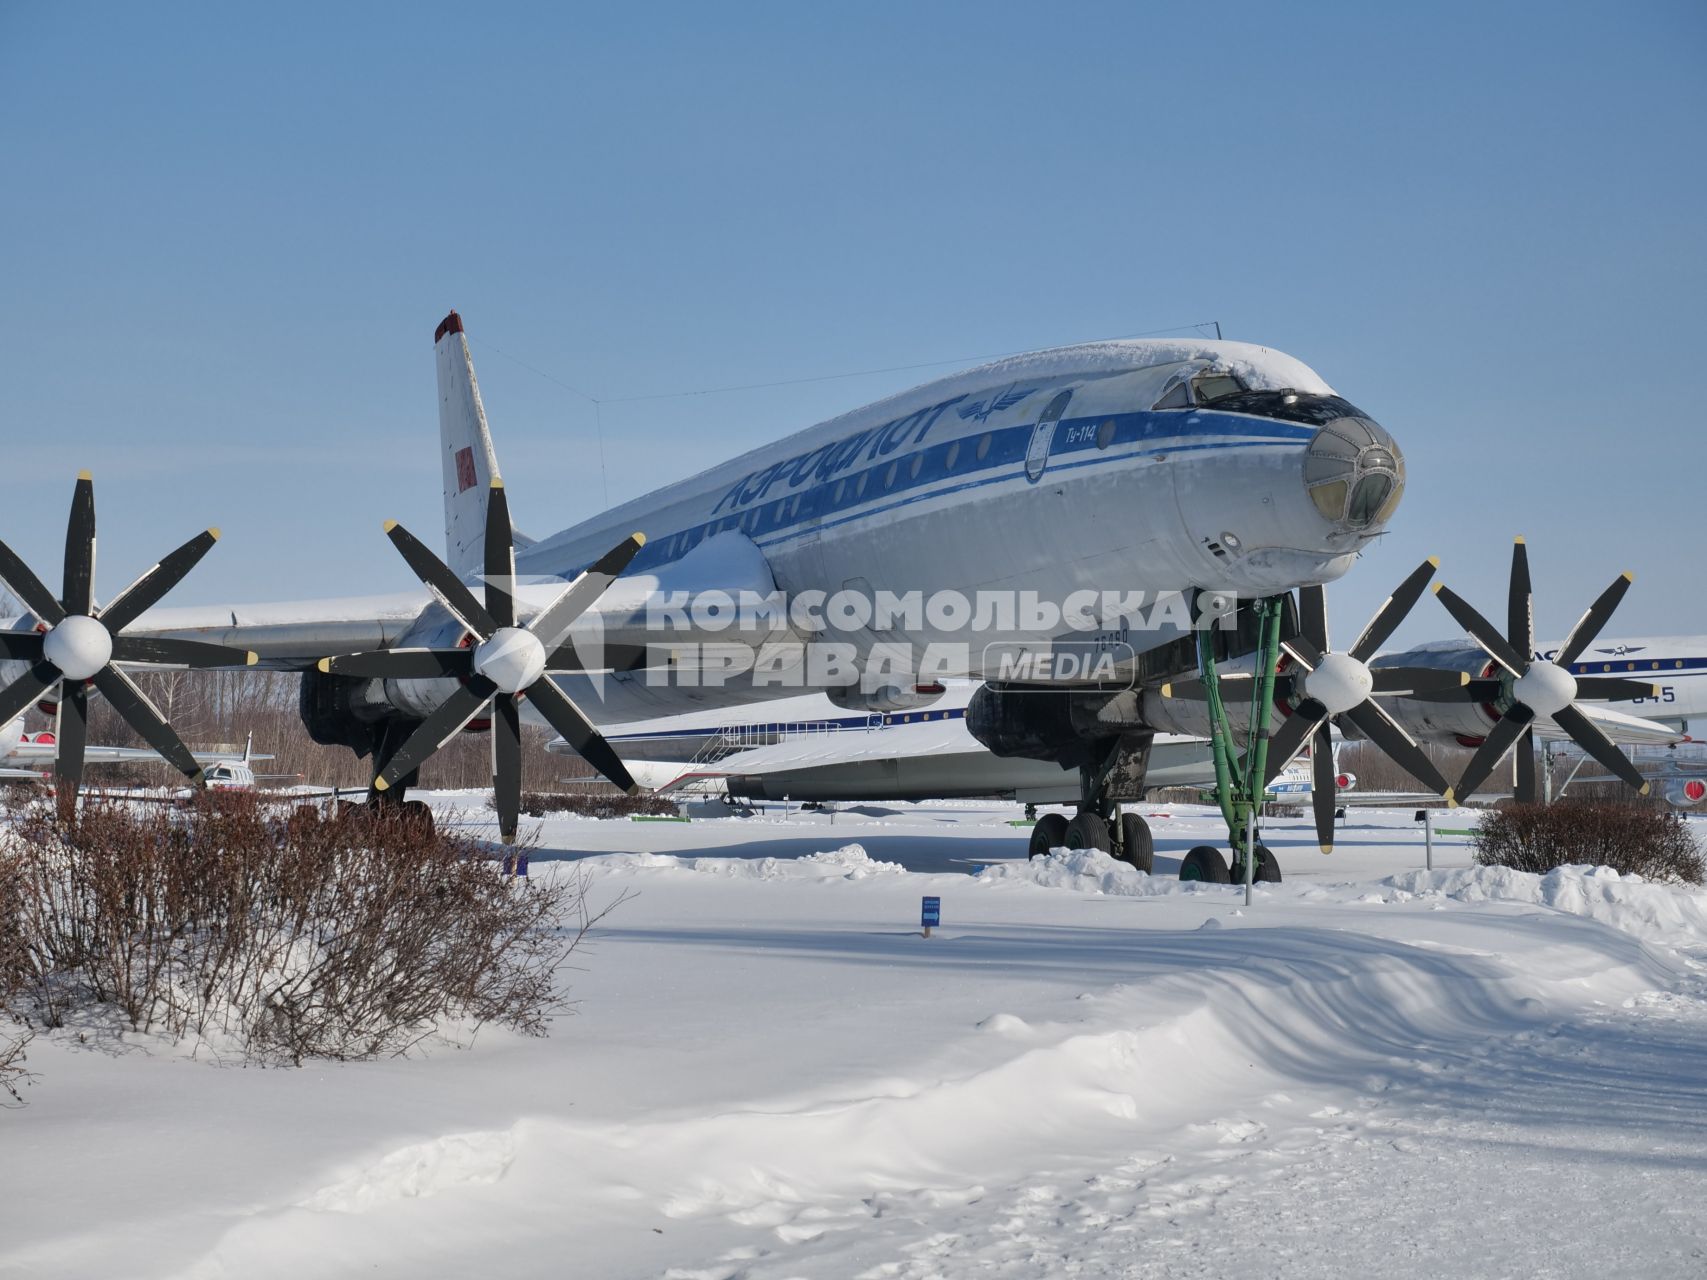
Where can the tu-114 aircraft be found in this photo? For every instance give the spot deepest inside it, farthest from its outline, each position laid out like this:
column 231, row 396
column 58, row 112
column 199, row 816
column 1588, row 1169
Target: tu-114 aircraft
column 1087, row 528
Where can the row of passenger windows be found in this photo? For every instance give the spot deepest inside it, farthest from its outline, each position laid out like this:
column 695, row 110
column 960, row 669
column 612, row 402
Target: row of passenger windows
column 773, row 515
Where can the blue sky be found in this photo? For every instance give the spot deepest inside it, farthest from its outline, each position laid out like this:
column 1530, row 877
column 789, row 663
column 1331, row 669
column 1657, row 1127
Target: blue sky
column 230, row 231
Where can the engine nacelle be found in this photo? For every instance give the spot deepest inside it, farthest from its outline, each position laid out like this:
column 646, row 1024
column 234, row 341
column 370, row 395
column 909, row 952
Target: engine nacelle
column 1461, row 722
column 1685, row 793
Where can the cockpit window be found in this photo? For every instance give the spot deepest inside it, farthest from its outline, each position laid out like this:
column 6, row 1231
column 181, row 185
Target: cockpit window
column 1209, row 387
column 1289, row 406
column 1178, row 397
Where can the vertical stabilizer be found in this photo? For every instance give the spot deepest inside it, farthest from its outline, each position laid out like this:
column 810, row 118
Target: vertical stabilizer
column 465, row 447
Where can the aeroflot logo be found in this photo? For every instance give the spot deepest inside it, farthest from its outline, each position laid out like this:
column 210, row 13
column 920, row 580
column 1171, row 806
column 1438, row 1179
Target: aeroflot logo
column 980, row 410
column 831, row 460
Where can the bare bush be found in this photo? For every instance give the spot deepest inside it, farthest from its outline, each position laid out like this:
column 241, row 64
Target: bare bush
column 597, row 804
column 1653, row 843
column 281, row 938
column 14, row 1030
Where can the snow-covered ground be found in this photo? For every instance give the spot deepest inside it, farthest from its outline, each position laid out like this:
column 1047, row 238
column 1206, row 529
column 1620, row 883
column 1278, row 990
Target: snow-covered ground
column 1085, row 1072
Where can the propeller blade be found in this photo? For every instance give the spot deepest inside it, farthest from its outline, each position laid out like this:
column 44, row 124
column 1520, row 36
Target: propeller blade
column 18, row 695
column 1394, row 610
column 178, row 653
column 154, row 583
column 500, row 557
column 1385, row 732
column 71, row 732
column 28, row 588
column 1499, row 740
column 79, row 593
column 1324, row 797
column 1412, row 681
column 611, row 657
column 1476, row 689
column 468, row 701
column 444, row 584
column 506, row 765
column 1613, row 689
column 140, row 714
column 1497, row 646
column 1303, row 652
column 1313, row 616
column 554, row 621
column 1196, row 690
column 565, row 717
column 1528, row 790
column 402, row 664
column 1520, row 602
column 1588, row 736
column 20, row 646
column 1589, row 625
column 1290, row 739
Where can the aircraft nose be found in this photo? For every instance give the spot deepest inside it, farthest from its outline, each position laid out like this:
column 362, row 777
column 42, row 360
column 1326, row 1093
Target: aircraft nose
column 1354, row 473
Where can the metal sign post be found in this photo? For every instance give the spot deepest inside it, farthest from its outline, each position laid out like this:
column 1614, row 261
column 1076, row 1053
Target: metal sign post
column 1428, row 839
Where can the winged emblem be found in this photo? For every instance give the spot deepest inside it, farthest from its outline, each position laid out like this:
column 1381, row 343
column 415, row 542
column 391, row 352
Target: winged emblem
column 980, row 410
column 1620, row 650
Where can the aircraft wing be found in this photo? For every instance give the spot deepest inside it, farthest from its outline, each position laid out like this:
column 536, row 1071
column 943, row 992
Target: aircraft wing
column 48, row 752
column 291, row 634
column 811, row 751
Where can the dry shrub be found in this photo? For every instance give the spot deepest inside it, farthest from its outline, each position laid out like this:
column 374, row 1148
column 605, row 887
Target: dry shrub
column 613, row 804
column 14, row 1030
column 1655, row 844
column 280, row 938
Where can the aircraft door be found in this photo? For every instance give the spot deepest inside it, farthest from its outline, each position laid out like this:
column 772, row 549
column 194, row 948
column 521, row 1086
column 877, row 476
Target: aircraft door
column 1043, row 436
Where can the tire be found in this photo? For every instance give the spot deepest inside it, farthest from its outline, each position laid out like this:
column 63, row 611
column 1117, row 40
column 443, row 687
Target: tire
column 1206, row 864
column 1137, row 845
column 1049, row 833
column 1088, row 831
column 1267, row 872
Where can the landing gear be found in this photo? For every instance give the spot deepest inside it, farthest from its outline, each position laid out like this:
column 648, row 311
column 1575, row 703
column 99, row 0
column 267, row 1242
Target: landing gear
column 1137, row 845
column 1205, row 864
column 1049, row 833
column 1241, row 781
column 1088, row 831
column 1267, row 870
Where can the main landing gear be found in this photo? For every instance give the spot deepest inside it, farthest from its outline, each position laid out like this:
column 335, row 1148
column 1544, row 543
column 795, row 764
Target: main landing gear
column 1125, row 836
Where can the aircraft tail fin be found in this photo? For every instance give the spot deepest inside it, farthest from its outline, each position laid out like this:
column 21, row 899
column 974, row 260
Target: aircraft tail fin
column 465, row 447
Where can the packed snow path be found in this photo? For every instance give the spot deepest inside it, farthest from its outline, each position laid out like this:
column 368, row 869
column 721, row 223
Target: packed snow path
column 1085, row 1072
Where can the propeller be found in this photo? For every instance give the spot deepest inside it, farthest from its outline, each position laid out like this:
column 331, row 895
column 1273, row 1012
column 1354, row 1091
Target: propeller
column 1335, row 684
column 1342, row 684
column 1535, row 687
column 505, row 664
column 77, row 645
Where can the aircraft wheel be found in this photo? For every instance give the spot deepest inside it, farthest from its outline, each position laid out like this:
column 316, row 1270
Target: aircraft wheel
column 1137, row 845
column 1089, row 831
column 1049, row 833
column 1268, row 868
column 1205, row 863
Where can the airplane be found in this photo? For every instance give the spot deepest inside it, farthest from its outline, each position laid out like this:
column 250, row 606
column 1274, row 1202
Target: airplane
column 1078, row 526
column 20, row 750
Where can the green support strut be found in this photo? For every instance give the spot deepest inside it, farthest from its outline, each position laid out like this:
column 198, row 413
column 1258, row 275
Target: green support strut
column 1240, row 778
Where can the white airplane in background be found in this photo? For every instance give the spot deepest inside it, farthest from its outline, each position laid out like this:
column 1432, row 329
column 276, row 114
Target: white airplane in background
column 1162, row 479
column 25, row 755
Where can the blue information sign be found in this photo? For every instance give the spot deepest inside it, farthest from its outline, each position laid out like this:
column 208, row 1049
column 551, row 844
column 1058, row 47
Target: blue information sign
column 931, row 913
